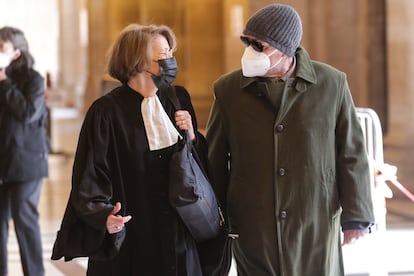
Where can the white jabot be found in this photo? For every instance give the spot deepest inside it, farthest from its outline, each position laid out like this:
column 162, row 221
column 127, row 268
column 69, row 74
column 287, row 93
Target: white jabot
column 160, row 131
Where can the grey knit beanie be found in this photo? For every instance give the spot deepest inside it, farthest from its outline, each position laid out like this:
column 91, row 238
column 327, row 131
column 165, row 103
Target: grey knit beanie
column 277, row 24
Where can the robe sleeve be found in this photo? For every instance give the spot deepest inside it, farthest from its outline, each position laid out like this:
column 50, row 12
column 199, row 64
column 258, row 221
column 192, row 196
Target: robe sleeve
column 83, row 231
column 91, row 180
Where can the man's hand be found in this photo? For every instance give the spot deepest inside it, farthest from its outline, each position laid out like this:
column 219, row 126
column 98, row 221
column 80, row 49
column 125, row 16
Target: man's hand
column 350, row 236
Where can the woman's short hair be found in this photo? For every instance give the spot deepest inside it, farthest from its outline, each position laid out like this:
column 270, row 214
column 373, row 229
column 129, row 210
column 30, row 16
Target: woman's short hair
column 131, row 53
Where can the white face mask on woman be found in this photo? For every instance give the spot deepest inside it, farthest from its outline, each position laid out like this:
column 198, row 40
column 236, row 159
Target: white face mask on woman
column 4, row 60
column 256, row 64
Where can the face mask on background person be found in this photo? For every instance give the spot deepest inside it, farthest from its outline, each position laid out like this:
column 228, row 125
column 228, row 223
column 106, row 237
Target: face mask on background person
column 256, row 64
column 4, row 60
column 168, row 72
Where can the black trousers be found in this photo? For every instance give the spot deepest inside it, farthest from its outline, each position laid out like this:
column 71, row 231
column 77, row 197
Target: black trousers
column 19, row 201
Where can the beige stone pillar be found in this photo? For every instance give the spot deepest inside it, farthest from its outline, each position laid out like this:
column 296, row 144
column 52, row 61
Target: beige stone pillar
column 100, row 23
column 73, row 50
column 202, row 53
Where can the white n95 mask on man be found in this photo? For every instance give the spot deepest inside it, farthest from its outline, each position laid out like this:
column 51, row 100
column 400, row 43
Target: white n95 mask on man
column 256, row 64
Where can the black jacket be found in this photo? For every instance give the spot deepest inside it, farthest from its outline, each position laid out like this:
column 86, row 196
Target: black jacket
column 23, row 126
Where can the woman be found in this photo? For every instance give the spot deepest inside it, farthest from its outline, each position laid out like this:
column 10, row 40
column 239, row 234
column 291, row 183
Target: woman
column 23, row 149
column 118, row 203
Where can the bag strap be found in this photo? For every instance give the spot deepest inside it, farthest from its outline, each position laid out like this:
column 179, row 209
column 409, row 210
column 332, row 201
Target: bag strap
column 172, row 95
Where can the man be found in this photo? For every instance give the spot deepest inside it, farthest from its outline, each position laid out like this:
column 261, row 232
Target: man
column 287, row 154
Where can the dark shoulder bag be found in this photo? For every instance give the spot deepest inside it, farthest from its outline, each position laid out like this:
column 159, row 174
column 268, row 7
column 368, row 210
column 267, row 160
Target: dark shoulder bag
column 190, row 191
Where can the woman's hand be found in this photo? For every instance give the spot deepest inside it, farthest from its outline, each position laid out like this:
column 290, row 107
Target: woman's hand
column 115, row 223
column 3, row 75
column 183, row 121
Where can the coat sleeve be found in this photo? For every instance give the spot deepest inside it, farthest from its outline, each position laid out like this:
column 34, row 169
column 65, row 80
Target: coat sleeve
column 218, row 152
column 215, row 254
column 352, row 164
column 26, row 101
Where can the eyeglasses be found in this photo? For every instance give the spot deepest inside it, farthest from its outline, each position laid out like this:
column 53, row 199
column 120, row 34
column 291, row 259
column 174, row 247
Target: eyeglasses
column 258, row 46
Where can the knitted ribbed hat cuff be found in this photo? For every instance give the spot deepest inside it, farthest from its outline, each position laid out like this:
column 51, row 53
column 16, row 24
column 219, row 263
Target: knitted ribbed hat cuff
column 277, row 24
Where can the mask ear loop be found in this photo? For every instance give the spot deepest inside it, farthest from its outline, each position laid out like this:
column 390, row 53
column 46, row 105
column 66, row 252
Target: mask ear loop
column 161, row 69
column 272, row 53
column 277, row 63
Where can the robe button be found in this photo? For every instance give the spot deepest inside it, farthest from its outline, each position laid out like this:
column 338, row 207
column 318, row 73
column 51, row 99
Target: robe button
column 283, row 214
column 159, row 156
column 282, row 172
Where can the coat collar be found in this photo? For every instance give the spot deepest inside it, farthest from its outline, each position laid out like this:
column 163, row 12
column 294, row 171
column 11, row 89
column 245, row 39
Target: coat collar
column 304, row 70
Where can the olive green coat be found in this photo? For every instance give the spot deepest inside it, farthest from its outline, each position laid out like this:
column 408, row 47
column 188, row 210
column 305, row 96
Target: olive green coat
column 288, row 179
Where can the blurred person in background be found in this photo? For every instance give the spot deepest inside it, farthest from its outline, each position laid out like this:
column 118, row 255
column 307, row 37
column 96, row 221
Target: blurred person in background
column 23, row 150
